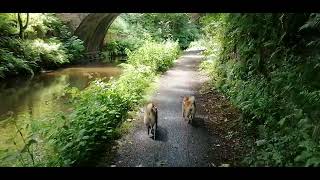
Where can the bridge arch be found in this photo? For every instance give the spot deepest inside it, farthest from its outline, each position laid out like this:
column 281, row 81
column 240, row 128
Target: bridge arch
column 89, row 27
column 93, row 28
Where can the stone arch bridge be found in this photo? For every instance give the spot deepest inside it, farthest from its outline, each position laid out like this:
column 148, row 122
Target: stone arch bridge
column 92, row 28
column 89, row 27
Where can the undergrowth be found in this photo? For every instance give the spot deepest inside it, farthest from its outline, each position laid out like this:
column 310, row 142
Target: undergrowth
column 268, row 66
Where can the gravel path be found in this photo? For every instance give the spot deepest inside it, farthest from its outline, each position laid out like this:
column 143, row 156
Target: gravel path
column 178, row 144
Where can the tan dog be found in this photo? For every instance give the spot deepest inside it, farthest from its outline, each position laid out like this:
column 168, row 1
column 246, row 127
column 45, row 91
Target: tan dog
column 188, row 108
column 151, row 118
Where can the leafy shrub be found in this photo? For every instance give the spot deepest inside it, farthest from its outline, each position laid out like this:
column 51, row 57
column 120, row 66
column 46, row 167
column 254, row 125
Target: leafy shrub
column 267, row 66
column 100, row 108
column 49, row 43
column 51, row 52
column 131, row 30
column 199, row 44
column 74, row 48
column 125, row 33
column 157, row 56
column 7, row 24
column 118, row 47
column 176, row 26
column 10, row 64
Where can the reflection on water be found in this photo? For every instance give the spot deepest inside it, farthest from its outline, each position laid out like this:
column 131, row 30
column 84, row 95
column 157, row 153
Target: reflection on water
column 34, row 98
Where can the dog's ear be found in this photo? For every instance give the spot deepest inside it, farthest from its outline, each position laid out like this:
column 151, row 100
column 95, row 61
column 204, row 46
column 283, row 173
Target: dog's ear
column 154, row 108
column 154, row 105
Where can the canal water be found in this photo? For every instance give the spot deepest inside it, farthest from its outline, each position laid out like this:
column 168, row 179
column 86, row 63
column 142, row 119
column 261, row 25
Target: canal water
column 23, row 99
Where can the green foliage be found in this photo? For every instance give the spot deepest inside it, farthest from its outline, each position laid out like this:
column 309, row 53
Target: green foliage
column 130, row 31
column 157, row 60
column 12, row 61
column 29, row 149
column 100, row 108
column 48, row 52
column 8, row 24
column 268, row 66
column 11, row 64
column 118, row 47
column 176, row 26
column 74, row 48
column 47, row 44
column 125, row 34
column 92, row 122
column 199, row 44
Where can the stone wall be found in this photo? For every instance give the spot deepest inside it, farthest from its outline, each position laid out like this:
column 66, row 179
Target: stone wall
column 73, row 20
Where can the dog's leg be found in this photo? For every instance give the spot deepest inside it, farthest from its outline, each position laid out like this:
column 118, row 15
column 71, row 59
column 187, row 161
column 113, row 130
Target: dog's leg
column 157, row 120
column 182, row 112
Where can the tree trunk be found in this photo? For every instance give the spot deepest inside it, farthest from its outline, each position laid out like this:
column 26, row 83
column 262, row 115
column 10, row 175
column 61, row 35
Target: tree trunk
column 22, row 27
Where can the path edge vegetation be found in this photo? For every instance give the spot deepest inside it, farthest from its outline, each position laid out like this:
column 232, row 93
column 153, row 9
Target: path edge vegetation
column 268, row 67
column 73, row 139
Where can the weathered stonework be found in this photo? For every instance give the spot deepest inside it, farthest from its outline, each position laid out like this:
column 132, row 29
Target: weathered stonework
column 89, row 27
column 73, row 20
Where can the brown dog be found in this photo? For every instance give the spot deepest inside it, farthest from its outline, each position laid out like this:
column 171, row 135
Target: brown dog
column 151, row 118
column 188, row 108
